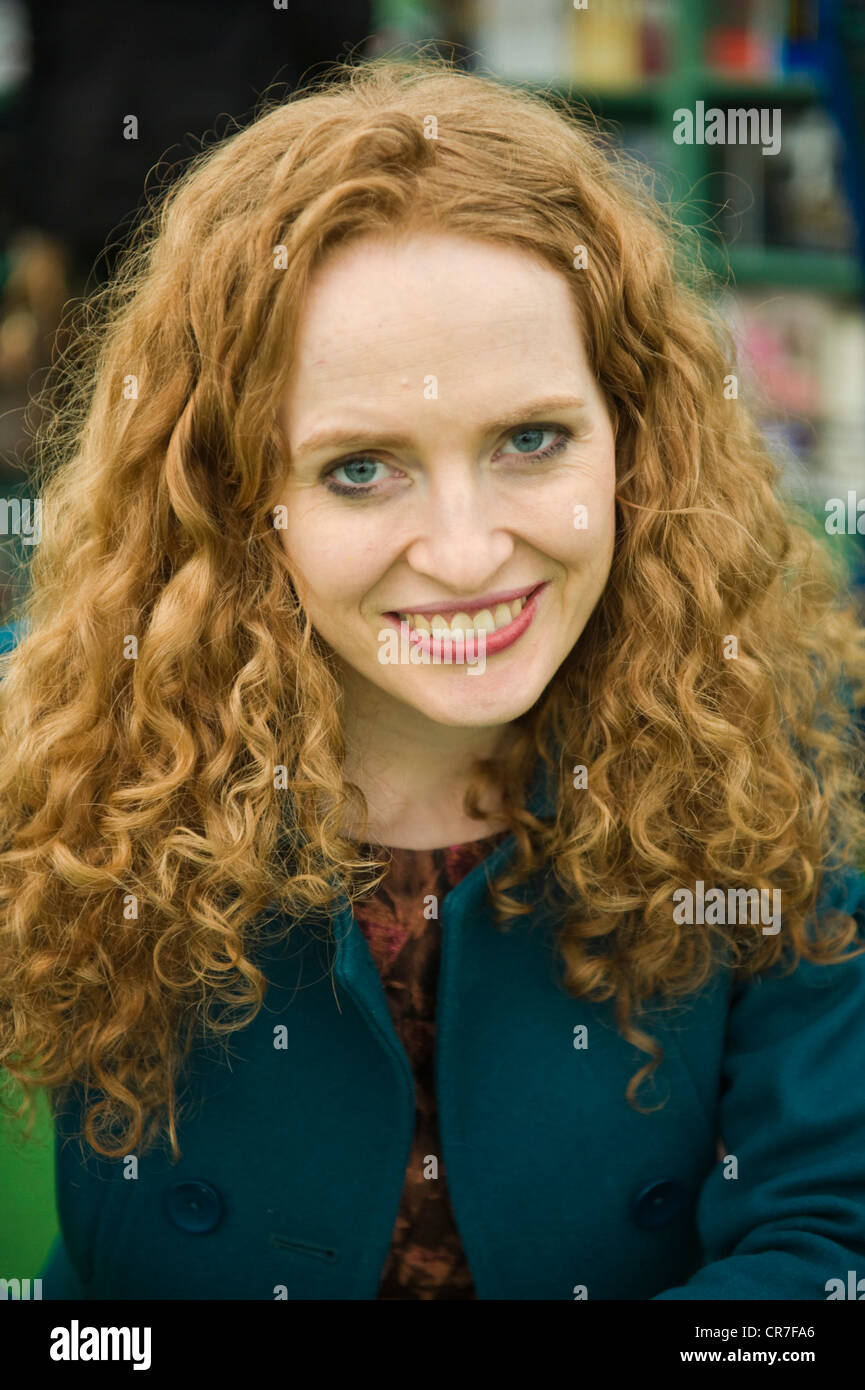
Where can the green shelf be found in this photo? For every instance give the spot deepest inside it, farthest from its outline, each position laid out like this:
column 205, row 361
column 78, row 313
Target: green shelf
column 691, row 79
column 792, row 87
column 659, row 93
column 828, row 271
column 638, row 100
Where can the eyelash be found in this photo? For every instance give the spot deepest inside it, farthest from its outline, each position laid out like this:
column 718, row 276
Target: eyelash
column 365, row 489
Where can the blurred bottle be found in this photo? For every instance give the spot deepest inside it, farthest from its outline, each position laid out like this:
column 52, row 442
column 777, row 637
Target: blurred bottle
column 520, row 41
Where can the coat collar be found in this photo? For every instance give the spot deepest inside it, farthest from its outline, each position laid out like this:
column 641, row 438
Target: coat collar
column 354, row 966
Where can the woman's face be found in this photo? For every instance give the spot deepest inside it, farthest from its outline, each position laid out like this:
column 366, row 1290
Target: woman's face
column 450, row 450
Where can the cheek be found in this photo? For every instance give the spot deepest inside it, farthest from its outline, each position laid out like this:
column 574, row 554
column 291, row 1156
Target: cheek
column 595, row 543
column 309, row 556
column 591, row 512
column 331, row 561
column 574, row 520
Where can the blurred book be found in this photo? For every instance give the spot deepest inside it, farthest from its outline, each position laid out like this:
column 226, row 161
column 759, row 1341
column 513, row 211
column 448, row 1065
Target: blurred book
column 520, row 41
column 795, row 198
column 14, row 47
column 621, row 44
column 801, row 368
column 606, row 45
column 766, row 38
column 746, row 37
column 649, row 143
column 602, row 44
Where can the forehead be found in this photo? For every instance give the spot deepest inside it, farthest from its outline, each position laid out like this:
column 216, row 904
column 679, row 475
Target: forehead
column 383, row 315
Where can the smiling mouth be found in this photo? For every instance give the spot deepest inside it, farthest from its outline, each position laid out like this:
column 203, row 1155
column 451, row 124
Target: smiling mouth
column 485, row 629
column 466, row 619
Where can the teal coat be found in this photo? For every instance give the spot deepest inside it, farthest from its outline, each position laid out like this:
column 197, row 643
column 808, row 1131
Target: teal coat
column 294, row 1161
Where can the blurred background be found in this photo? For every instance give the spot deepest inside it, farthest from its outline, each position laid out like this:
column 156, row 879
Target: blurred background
column 99, row 101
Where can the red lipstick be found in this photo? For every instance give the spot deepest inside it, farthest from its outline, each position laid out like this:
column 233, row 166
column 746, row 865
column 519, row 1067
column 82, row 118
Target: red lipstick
column 436, row 643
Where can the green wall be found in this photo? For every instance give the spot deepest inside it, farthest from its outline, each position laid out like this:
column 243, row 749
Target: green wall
column 28, row 1220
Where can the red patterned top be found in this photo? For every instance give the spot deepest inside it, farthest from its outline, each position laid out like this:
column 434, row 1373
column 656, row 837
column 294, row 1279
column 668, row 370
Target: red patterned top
column 426, row 1258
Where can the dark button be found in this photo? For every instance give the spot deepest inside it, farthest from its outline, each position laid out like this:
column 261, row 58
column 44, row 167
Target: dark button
column 194, row 1206
column 658, row 1203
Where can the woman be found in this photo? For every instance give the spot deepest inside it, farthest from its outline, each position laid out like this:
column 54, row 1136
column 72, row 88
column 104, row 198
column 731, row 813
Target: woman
column 360, row 960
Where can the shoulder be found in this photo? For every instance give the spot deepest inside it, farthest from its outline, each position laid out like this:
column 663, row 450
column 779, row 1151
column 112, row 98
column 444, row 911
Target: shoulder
column 844, row 890
column 815, row 1009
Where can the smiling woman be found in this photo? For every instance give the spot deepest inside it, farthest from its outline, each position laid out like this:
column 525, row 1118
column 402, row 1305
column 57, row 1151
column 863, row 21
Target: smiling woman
column 343, row 952
column 465, row 503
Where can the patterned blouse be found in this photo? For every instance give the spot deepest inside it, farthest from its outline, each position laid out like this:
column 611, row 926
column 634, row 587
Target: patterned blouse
column 426, row 1258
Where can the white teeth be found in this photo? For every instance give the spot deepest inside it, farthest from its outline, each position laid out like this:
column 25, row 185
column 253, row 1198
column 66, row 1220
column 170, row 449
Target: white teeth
column 486, row 620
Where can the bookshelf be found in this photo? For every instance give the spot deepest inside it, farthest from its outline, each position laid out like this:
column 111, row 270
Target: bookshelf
column 787, row 257
column 689, row 78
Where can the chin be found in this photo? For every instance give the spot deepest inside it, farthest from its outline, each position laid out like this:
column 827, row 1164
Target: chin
column 466, row 704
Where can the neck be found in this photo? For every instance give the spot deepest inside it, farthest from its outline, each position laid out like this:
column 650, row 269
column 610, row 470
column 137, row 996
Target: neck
column 414, row 772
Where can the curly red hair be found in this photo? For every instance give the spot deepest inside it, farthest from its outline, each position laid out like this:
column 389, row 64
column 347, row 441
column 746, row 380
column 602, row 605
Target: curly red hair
column 148, row 785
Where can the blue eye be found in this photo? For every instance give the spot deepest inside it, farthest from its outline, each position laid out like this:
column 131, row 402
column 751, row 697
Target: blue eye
column 531, row 438
column 359, row 473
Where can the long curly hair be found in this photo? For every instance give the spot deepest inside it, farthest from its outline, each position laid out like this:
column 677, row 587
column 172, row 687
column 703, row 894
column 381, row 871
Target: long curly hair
column 171, row 751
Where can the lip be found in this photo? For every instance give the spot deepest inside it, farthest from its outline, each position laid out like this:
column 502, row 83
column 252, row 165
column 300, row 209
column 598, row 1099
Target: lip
column 454, row 605
column 435, row 643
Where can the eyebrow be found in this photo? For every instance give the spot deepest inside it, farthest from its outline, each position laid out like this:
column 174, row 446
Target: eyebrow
column 354, row 439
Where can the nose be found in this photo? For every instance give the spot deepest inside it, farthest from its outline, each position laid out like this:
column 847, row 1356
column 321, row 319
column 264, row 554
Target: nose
column 463, row 538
